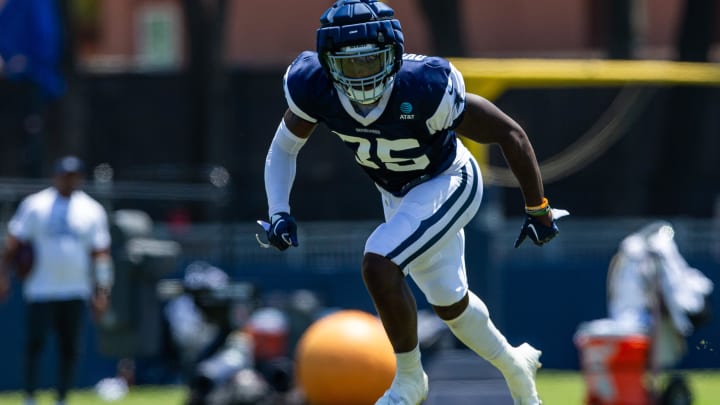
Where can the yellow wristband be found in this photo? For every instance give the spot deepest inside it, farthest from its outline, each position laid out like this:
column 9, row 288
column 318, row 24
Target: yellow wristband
column 542, row 206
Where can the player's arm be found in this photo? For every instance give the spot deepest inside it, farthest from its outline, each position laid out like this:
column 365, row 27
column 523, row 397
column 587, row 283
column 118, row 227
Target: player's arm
column 10, row 250
column 484, row 122
column 297, row 125
column 104, row 277
column 280, row 167
column 481, row 121
column 12, row 244
column 18, row 233
column 281, row 160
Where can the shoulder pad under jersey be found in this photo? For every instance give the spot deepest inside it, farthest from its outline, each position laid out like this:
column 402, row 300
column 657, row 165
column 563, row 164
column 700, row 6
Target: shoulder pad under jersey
column 306, row 83
column 426, row 77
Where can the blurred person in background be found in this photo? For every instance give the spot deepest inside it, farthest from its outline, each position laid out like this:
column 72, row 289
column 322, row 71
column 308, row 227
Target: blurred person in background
column 58, row 243
column 31, row 81
column 653, row 289
column 399, row 114
column 655, row 300
column 229, row 350
column 198, row 323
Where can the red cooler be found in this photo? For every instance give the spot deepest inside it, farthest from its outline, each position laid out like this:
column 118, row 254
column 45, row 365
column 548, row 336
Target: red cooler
column 270, row 330
column 614, row 367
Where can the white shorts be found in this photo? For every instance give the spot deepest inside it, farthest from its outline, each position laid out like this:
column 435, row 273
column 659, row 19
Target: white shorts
column 423, row 230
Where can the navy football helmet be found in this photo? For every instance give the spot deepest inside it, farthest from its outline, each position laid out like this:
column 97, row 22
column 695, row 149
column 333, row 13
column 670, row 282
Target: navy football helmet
column 360, row 46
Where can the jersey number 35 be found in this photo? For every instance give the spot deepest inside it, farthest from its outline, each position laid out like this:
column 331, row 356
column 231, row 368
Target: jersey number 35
column 378, row 153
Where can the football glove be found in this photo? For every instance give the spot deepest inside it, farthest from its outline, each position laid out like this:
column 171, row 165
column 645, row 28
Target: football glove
column 281, row 231
column 537, row 231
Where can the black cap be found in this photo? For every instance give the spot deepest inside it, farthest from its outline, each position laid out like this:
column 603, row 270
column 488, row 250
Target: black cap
column 68, row 164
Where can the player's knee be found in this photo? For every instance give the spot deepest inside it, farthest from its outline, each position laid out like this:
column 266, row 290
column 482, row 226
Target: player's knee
column 380, row 274
column 452, row 311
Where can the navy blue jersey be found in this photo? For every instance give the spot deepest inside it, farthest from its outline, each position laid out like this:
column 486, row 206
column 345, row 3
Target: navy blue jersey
column 407, row 138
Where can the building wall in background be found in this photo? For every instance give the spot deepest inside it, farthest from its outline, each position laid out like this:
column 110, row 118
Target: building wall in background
column 265, row 34
column 136, row 110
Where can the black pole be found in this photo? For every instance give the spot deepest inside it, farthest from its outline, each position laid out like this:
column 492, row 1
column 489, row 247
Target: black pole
column 696, row 30
column 622, row 32
column 445, row 26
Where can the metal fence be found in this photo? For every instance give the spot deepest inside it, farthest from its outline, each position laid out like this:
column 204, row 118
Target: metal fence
column 338, row 246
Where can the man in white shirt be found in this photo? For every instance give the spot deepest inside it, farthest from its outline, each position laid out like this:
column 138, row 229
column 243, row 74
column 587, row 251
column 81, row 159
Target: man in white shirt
column 71, row 265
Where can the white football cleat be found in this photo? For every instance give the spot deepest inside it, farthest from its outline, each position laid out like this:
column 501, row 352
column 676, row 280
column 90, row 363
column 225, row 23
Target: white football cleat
column 522, row 380
column 406, row 391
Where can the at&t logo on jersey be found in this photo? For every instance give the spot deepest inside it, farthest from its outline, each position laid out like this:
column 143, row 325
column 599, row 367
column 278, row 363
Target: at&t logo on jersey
column 406, row 109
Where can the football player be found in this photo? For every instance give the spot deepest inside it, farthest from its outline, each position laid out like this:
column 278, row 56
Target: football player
column 401, row 115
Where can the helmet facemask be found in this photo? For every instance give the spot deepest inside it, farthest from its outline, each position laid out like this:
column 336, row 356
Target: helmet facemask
column 360, row 47
column 362, row 72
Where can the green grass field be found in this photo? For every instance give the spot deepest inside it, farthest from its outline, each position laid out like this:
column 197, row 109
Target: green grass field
column 137, row 396
column 567, row 388
column 555, row 387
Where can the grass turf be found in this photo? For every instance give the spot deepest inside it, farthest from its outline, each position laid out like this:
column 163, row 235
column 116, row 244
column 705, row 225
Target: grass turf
column 555, row 387
column 567, row 388
column 140, row 395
